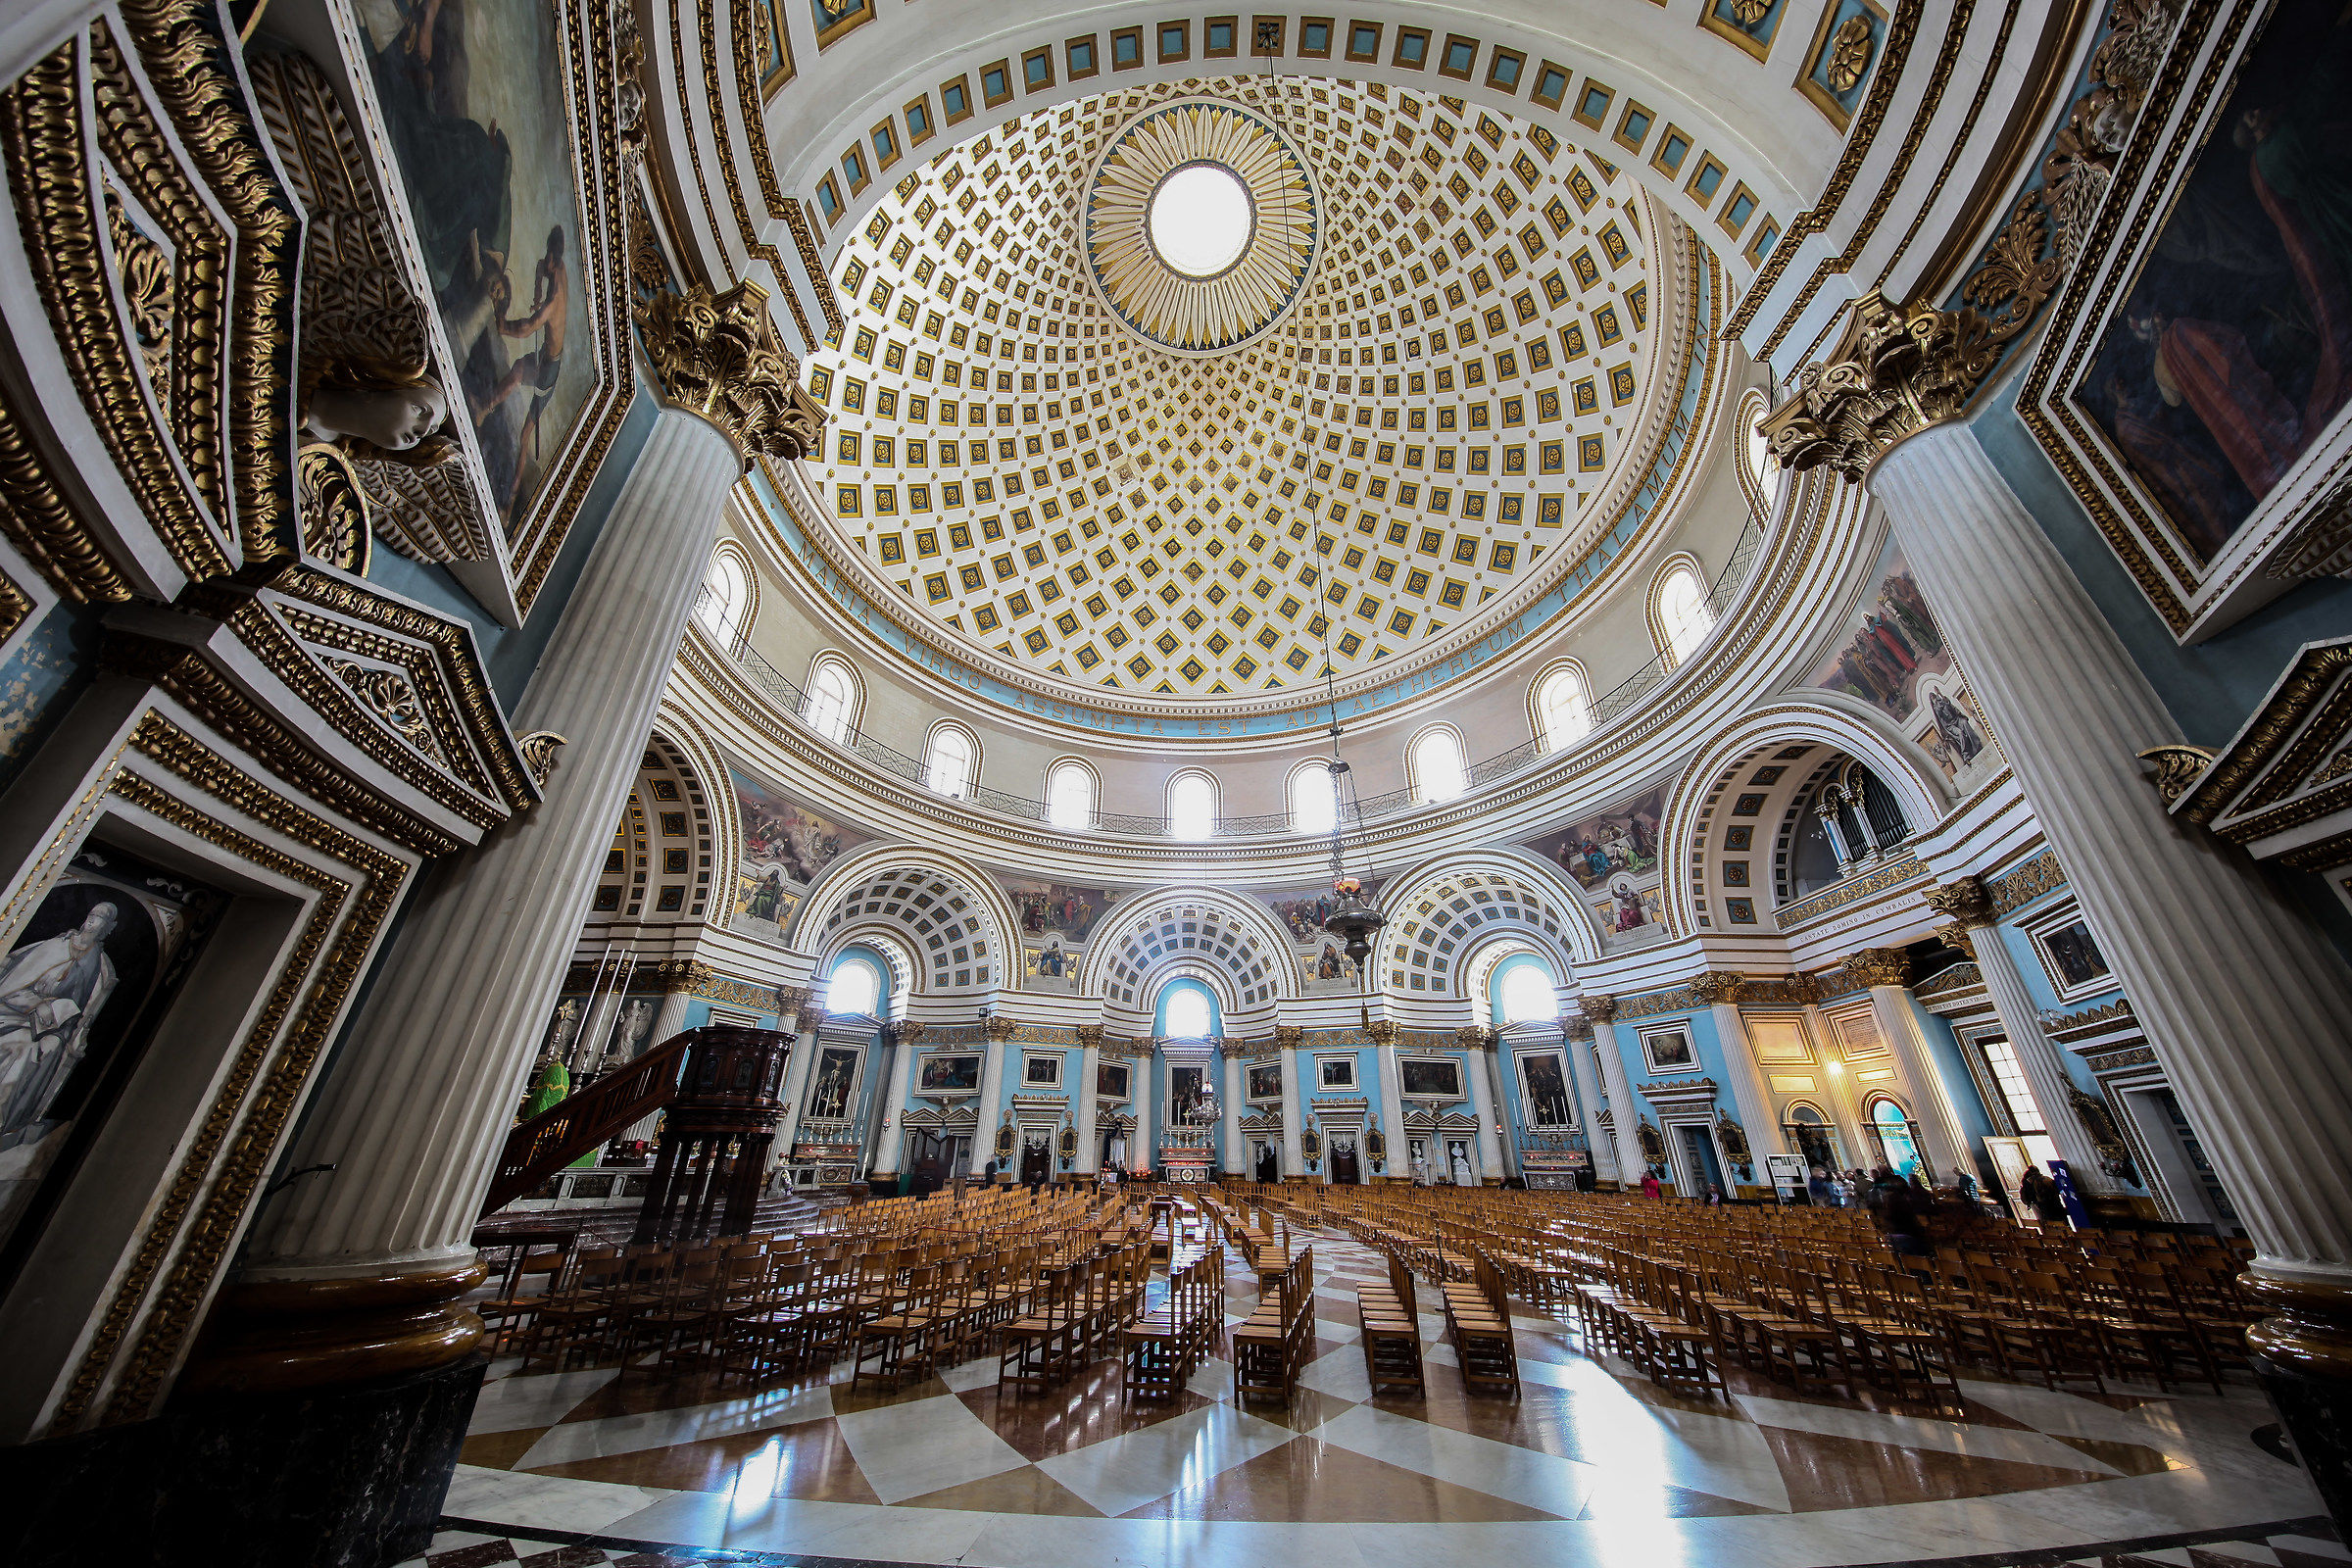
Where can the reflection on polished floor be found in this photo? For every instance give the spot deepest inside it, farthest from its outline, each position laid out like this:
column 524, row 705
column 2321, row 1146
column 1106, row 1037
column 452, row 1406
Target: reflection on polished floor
column 1592, row 1464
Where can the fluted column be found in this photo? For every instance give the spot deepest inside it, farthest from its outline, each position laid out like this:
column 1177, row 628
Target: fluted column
column 1601, row 1013
column 415, row 1110
column 1576, row 1044
column 1090, row 1137
column 1143, row 1150
column 810, row 1022
column 1751, row 1094
column 1480, row 1042
column 1231, row 1159
column 1973, row 932
column 891, row 1149
column 992, row 1089
column 1287, row 1040
column 1391, row 1097
column 1883, row 970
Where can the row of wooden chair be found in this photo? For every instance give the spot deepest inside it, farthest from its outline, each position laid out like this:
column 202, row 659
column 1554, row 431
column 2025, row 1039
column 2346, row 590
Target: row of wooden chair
column 1477, row 1325
column 1271, row 1349
column 1164, row 1345
column 1389, row 1318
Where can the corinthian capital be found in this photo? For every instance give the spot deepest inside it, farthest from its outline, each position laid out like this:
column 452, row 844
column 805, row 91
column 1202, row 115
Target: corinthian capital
column 1959, row 937
column 1878, row 966
column 1963, row 899
column 1384, row 1031
column 1893, row 373
column 1474, row 1036
column 1000, row 1027
column 1090, row 1034
column 1289, row 1036
column 1599, row 1010
column 718, row 356
column 1717, row 988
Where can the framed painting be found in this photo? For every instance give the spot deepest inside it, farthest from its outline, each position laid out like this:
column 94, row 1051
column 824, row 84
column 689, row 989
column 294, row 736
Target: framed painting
column 1334, row 1072
column 1430, row 1077
column 2193, row 391
column 950, row 1072
column 1669, row 1049
column 1264, row 1081
column 1110, row 1079
column 1042, row 1071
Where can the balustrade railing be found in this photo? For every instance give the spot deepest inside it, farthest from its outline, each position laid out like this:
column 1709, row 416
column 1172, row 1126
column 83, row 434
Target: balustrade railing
column 790, row 698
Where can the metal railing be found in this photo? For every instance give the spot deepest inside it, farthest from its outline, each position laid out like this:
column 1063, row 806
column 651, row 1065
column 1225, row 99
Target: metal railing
column 789, row 697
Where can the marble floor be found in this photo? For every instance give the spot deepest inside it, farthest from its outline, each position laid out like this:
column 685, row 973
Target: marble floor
column 1593, row 1465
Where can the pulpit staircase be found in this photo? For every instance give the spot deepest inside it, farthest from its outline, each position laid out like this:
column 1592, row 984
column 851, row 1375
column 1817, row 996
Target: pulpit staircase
column 582, row 1123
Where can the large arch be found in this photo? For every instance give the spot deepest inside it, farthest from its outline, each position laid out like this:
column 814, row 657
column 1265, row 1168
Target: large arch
column 1229, row 938
column 1811, row 719
column 1441, row 909
column 940, row 904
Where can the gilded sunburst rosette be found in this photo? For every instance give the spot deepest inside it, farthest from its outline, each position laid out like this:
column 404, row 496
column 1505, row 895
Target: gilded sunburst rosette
column 1201, row 316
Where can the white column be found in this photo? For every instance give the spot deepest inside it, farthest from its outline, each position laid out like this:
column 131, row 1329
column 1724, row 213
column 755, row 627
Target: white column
column 417, row 1106
column 1392, row 1104
column 1623, row 1113
column 1751, row 1094
column 1287, row 1040
column 892, row 1142
column 1943, row 1143
column 809, row 1022
column 1143, row 1150
column 2037, row 1053
column 992, row 1089
column 2245, row 1002
column 1090, row 1138
column 1482, row 1105
column 1231, row 1158
column 1576, row 1044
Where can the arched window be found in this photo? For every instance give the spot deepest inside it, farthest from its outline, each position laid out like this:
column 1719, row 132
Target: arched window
column 948, row 770
column 1191, row 807
column 726, row 597
column 1683, row 619
column 1563, row 707
column 831, row 706
column 1187, row 1011
column 853, row 986
column 1898, row 1139
column 1435, row 760
column 1526, row 994
column 1314, row 798
column 1071, row 797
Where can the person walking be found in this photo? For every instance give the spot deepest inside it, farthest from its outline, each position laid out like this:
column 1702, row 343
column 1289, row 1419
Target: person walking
column 1649, row 1185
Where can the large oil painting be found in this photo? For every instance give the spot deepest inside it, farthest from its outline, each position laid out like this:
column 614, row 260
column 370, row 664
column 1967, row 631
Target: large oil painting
column 786, row 848
column 1619, row 844
column 79, row 989
column 2233, row 350
column 1890, row 644
column 473, row 98
column 1050, row 907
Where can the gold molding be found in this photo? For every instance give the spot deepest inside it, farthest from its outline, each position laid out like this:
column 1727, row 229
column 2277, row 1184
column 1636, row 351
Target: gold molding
column 217, row 1178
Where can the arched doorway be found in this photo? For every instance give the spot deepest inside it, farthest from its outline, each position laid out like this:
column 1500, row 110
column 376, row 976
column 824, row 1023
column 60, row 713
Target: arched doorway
column 1897, row 1136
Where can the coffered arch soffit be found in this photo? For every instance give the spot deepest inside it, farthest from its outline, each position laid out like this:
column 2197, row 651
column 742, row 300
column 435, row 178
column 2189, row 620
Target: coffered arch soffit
column 1139, row 943
column 940, row 904
column 1445, row 907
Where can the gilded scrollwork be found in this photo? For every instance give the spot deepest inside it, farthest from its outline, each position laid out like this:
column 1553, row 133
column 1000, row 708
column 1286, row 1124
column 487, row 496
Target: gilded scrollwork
column 332, row 507
column 2177, row 769
column 718, row 355
column 539, row 748
column 143, row 278
column 387, row 694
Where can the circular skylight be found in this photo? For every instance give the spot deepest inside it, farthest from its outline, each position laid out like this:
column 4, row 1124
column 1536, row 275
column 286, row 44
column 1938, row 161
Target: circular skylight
column 1201, row 220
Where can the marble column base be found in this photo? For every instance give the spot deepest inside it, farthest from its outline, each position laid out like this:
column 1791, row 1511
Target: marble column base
column 351, row 1477
column 274, row 1336
column 2303, row 1359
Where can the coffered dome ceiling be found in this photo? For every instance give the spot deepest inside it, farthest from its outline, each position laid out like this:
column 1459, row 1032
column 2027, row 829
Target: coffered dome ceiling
column 1127, row 461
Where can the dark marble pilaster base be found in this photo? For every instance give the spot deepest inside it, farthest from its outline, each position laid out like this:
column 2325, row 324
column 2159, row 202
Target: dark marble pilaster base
column 2317, row 1413
column 349, row 1477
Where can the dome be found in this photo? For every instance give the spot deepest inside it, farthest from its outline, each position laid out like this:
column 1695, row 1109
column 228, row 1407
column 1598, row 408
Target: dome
column 1330, row 435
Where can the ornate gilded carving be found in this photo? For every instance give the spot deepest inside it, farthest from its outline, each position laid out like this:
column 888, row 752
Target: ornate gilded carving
column 2020, row 886
column 1091, row 1034
column 1652, row 1142
column 1878, row 966
column 999, row 1027
column 1384, row 1031
column 218, row 1174
column 538, row 750
column 1598, row 1010
column 143, row 278
column 1717, row 988
column 718, row 356
column 1959, row 937
column 2098, row 1123
column 1849, row 54
column 37, row 520
column 2177, row 769
column 1965, row 900
column 1474, row 1036
column 1899, row 369
column 332, row 507
column 1576, row 1027
column 1289, row 1036
column 387, row 694
column 1735, row 1141
column 628, row 72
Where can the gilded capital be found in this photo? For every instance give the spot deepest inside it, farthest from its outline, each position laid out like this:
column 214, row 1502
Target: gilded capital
column 1289, row 1036
column 1234, row 1050
column 1965, row 900
column 1959, row 937
column 1000, row 1027
column 813, row 1017
column 1384, row 1031
column 718, row 356
column 1717, row 988
column 791, row 1000
column 1878, row 966
column 1599, row 1010
column 1894, row 372
column 1576, row 1027
column 909, row 1031
column 1091, row 1034
column 1474, row 1036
